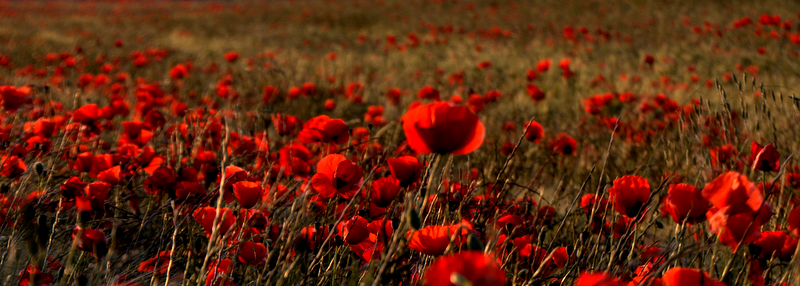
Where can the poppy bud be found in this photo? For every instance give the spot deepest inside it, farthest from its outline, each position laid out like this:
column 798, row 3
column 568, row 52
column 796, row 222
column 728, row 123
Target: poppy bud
column 414, row 220
column 39, row 167
column 473, row 243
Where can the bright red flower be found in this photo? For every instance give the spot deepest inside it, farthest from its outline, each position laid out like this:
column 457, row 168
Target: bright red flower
column 765, row 158
column 686, row 202
column 733, row 191
column 597, row 279
column 337, row 176
column 354, row 230
column 406, row 169
column 775, row 243
column 629, row 194
column 87, row 114
column 205, row 216
column 428, row 92
column 247, row 193
column 679, row 276
column 13, row 98
column 231, row 56
column 473, row 267
column 535, row 132
column 433, row 240
column 324, row 129
column 32, row 276
column 12, row 166
column 285, row 124
column 443, row 128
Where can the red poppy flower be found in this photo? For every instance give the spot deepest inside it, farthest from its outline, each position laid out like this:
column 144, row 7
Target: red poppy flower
column 465, row 268
column 793, row 222
column 686, row 202
column 157, row 264
column 285, row 124
column 734, row 192
column 325, row 130
column 354, row 230
column 443, row 128
column 775, row 243
column 405, row 169
column 337, row 176
column 428, row 92
column 384, row 191
column 679, row 276
column 765, row 158
column 629, row 194
column 543, row 65
column 86, row 114
column 252, row 253
column 231, row 56
column 13, row 98
column 205, row 216
column 218, row 273
column 92, row 240
column 247, row 193
column 597, row 279
column 564, row 144
column 72, row 187
column 534, row 92
column 111, row 175
column 433, row 240
column 535, row 132
column 12, row 166
column 32, row 276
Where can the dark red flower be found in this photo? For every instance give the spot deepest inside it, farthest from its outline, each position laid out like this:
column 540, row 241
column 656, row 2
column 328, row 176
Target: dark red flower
column 13, row 98
column 443, row 128
column 629, row 194
column 428, row 92
column 465, row 268
column 205, row 216
column 322, row 129
column 775, row 243
column 406, row 169
column 12, row 166
column 337, row 176
column 33, row 277
column 157, row 264
column 353, row 230
column 92, row 240
column 597, row 279
column 285, row 124
column 564, row 144
column 384, row 191
column 252, row 253
column 765, row 158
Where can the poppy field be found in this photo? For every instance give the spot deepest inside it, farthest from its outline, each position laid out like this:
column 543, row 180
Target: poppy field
column 393, row 142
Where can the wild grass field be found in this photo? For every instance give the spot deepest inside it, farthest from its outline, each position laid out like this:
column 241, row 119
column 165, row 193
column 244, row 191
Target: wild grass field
column 398, row 142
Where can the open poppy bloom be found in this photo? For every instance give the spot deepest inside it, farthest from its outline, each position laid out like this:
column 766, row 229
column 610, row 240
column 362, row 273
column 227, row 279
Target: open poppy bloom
column 354, row 230
column 205, row 216
column 322, row 129
column 13, row 98
column 443, row 128
column 384, row 191
column 679, row 276
column 92, row 240
column 252, row 253
column 34, row 277
column 597, row 279
column 219, row 273
column 337, row 176
column 765, row 158
column 629, row 194
column 465, row 268
column 564, row 144
column 685, row 202
column 247, row 193
column 405, row 169
column 433, row 240
column 157, row 264
column 534, row 132
column 775, row 243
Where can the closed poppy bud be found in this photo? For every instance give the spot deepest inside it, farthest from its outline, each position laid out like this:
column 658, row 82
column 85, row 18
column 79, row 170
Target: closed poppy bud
column 39, row 168
column 337, row 176
column 629, row 194
column 765, row 158
column 465, row 268
column 247, row 193
column 443, row 128
column 405, row 169
column 384, row 191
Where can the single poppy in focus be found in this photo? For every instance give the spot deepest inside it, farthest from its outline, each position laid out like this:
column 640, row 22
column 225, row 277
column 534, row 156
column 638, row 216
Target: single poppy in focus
column 443, row 128
column 384, row 191
column 465, row 268
column 765, row 158
column 336, row 175
column 406, row 169
column 629, row 194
